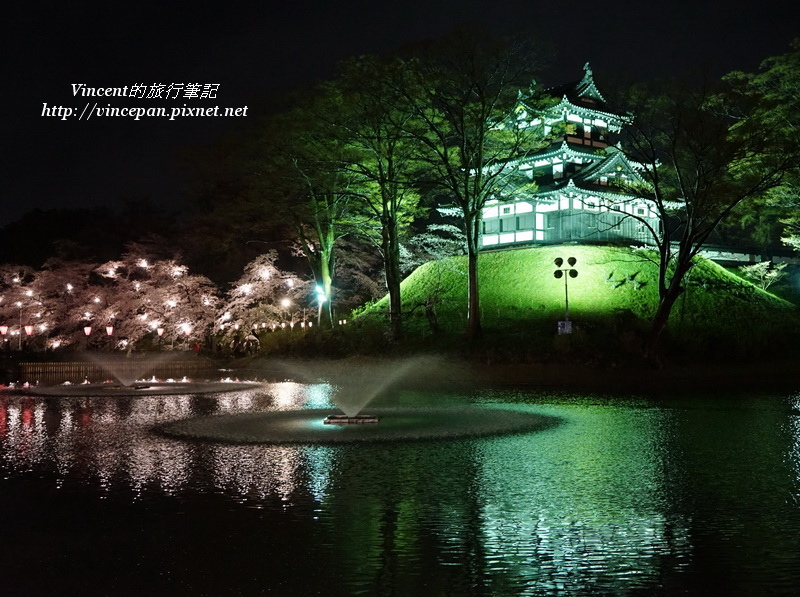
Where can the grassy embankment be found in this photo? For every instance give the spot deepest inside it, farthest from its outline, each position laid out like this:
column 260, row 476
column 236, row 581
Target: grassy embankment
column 720, row 316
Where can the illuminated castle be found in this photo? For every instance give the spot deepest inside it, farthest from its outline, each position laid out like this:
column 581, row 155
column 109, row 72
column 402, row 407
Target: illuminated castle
column 575, row 197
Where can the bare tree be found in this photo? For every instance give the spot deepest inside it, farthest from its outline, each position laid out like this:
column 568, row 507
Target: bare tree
column 464, row 91
column 702, row 154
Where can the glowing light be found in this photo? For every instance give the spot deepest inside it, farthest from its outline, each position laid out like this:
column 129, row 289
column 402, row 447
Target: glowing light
column 29, row 293
column 70, row 287
column 143, row 263
column 172, row 303
column 87, row 330
column 286, row 302
column 246, row 288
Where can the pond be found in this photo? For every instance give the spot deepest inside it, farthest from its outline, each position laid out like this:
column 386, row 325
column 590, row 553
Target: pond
column 622, row 495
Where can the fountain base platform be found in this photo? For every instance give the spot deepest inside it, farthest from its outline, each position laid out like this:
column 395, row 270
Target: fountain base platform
column 348, row 420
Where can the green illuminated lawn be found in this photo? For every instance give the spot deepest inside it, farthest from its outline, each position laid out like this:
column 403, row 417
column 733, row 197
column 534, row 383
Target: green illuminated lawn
column 613, row 284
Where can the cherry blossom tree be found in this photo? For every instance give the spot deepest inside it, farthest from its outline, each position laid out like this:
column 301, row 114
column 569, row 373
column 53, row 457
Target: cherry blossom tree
column 265, row 297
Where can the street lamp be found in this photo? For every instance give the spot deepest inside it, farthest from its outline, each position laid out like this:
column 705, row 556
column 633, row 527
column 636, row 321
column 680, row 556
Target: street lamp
column 565, row 327
column 19, row 306
column 286, row 303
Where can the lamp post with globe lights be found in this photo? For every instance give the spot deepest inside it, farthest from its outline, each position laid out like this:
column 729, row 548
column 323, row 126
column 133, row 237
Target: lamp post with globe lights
column 19, row 334
column 565, row 327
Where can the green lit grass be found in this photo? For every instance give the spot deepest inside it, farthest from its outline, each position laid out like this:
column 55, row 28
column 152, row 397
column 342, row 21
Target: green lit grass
column 517, row 288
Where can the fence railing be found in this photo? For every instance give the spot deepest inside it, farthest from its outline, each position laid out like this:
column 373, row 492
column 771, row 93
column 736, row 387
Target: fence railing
column 124, row 371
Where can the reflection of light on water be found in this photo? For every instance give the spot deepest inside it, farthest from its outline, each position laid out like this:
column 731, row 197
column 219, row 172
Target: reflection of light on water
column 794, row 430
column 164, row 463
column 291, row 395
column 565, row 511
column 257, row 472
column 235, row 401
column 63, row 455
column 160, row 408
column 320, row 395
column 25, row 430
column 320, row 463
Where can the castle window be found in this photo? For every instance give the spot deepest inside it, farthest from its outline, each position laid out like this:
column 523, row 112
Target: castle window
column 558, row 170
column 525, row 222
column 505, row 210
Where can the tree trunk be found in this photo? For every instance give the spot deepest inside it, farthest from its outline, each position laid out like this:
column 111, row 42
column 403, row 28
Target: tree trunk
column 474, row 329
column 652, row 345
column 670, row 295
column 393, row 277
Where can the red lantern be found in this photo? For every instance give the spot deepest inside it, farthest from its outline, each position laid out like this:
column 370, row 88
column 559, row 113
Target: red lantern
column 87, row 330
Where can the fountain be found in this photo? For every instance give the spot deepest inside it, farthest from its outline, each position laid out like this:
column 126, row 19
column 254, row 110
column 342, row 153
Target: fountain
column 357, row 386
column 131, row 371
column 129, row 377
column 396, row 424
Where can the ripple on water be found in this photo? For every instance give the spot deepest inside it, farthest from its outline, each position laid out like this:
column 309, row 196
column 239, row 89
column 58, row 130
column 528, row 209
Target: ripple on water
column 396, row 424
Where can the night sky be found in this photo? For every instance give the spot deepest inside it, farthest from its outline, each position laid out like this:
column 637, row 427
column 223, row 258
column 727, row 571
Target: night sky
column 254, row 51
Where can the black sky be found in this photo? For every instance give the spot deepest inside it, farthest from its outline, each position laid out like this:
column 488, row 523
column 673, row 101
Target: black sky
column 256, row 50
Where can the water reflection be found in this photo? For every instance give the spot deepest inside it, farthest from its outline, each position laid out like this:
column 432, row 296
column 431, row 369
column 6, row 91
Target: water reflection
column 584, row 507
column 625, row 495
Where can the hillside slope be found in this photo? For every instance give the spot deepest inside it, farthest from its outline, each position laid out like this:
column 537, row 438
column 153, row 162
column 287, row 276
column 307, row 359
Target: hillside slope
column 614, row 284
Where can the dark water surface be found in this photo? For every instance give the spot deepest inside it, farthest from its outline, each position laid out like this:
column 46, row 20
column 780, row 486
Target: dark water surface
column 626, row 496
